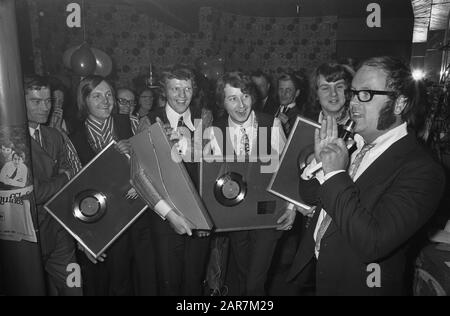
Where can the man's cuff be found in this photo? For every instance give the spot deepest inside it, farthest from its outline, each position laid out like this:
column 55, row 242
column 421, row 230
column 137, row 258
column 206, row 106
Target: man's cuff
column 162, row 208
column 330, row 174
column 308, row 175
column 290, row 206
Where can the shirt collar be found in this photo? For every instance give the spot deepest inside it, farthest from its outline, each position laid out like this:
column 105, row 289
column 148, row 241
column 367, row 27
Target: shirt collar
column 173, row 117
column 387, row 138
column 32, row 130
column 247, row 124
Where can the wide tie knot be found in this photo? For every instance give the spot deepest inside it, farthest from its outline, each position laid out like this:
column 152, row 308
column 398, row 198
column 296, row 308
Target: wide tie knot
column 181, row 122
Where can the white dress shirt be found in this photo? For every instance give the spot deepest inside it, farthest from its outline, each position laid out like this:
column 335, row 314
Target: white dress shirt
column 174, row 117
column 277, row 140
column 381, row 144
column 162, row 208
column 32, row 131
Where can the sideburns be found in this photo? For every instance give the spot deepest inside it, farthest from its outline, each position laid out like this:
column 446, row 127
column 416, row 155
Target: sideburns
column 387, row 117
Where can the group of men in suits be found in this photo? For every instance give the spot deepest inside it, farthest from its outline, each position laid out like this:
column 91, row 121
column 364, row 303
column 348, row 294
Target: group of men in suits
column 368, row 204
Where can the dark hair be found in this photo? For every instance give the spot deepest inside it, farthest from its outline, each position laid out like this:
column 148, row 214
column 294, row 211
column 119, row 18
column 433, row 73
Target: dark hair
column 291, row 77
column 86, row 86
column 331, row 72
column 400, row 80
column 235, row 79
column 57, row 84
column 260, row 73
column 179, row 72
column 19, row 153
column 35, row 82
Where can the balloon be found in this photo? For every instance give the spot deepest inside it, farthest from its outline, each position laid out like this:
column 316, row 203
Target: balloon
column 83, row 61
column 103, row 61
column 68, row 55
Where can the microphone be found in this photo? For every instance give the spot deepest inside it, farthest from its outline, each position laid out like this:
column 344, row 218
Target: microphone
column 345, row 134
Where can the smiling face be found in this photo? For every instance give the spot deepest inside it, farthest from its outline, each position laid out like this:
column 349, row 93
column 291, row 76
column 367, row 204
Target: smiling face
column 100, row 102
column 237, row 104
column 179, row 94
column 366, row 114
column 126, row 101
column 331, row 95
column 38, row 102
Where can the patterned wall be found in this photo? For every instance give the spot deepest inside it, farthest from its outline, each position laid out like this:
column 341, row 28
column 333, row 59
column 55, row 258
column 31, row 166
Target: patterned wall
column 133, row 39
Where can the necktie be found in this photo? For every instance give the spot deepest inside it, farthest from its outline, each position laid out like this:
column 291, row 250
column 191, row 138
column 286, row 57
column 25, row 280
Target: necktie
column 359, row 157
column 352, row 172
column 181, row 122
column 245, row 143
column 37, row 137
column 14, row 174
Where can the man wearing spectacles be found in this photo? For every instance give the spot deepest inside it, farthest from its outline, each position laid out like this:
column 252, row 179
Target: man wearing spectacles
column 126, row 101
column 374, row 202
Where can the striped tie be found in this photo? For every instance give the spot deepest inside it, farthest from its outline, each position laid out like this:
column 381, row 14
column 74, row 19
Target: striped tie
column 37, row 137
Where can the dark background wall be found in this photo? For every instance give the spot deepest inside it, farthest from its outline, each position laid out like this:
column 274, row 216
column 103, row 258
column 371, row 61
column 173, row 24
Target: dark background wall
column 268, row 34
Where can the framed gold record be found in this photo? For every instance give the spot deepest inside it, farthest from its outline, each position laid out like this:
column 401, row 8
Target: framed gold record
column 93, row 206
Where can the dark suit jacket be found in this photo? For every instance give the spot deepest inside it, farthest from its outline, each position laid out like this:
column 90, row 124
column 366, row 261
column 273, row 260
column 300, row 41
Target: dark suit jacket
column 373, row 220
column 46, row 161
column 270, row 107
column 292, row 116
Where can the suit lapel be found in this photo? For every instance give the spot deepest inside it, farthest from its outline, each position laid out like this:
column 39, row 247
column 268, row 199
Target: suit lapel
column 42, row 150
column 388, row 162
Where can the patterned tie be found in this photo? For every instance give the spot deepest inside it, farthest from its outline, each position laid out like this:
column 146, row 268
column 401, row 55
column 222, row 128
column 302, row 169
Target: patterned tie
column 359, row 157
column 352, row 172
column 37, row 137
column 245, row 143
column 181, row 122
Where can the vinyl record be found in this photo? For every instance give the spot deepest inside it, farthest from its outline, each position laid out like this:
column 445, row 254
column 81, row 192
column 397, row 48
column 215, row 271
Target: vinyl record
column 89, row 206
column 230, row 189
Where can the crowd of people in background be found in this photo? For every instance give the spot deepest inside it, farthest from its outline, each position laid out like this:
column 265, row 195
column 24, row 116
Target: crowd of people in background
column 366, row 222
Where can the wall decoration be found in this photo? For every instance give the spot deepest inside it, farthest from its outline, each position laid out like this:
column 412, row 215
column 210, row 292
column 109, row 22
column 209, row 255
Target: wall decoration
column 133, row 40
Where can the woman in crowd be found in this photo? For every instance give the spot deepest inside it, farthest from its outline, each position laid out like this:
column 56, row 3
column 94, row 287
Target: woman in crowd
column 145, row 103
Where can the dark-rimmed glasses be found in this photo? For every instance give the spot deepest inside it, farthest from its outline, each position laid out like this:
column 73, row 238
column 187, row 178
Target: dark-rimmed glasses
column 126, row 102
column 367, row 95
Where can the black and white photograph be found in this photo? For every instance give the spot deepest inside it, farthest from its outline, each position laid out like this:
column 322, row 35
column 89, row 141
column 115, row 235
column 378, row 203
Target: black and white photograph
column 229, row 155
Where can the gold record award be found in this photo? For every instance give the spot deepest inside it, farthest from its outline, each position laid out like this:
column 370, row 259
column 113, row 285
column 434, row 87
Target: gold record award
column 230, row 189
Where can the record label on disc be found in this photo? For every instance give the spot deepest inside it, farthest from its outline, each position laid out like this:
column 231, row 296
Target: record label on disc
column 230, row 189
column 89, row 206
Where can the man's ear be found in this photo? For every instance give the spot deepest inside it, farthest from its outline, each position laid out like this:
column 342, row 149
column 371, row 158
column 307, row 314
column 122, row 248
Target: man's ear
column 297, row 93
column 400, row 105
